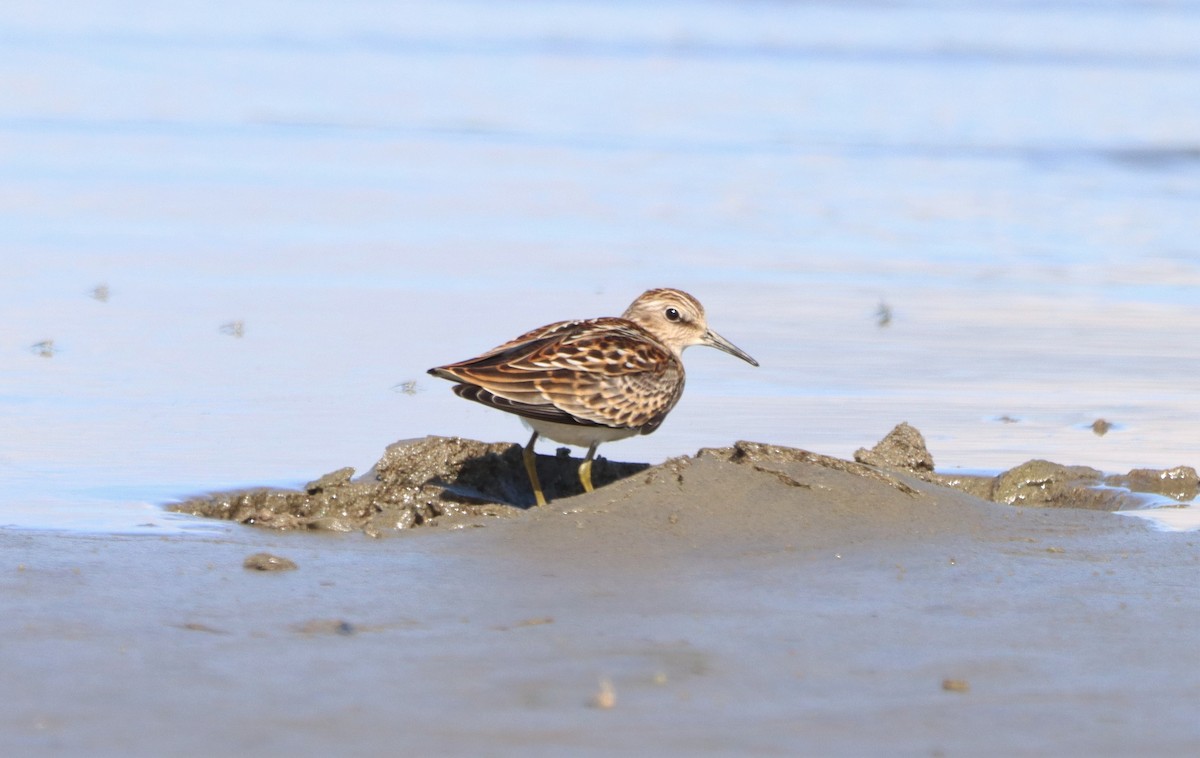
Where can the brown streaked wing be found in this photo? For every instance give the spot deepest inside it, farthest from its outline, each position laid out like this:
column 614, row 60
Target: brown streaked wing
column 491, row 369
column 616, row 376
column 530, row 336
column 606, row 371
column 544, row 412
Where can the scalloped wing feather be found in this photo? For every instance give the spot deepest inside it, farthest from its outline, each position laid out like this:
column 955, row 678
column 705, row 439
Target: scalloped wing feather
column 603, row 372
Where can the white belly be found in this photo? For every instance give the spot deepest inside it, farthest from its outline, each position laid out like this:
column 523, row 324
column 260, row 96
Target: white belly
column 579, row 436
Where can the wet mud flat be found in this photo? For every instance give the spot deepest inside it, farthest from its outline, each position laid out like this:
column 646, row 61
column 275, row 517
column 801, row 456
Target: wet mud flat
column 745, row 600
column 450, row 481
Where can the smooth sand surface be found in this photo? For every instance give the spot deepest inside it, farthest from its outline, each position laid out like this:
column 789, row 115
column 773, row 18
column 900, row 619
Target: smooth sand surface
column 769, row 605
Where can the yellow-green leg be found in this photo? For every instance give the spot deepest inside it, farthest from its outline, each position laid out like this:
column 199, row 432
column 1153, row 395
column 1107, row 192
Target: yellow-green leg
column 585, row 468
column 531, row 469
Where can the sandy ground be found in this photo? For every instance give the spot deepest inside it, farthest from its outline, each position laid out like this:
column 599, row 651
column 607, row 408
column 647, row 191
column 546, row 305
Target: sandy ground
column 761, row 603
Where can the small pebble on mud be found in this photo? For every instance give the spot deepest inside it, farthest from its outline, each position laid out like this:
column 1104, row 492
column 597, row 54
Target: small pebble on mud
column 605, row 697
column 196, row 626
column 536, row 621
column 268, row 562
column 327, row 626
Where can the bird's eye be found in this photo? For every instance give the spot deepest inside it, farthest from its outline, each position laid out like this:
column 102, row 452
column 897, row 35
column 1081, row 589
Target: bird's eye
column 672, row 314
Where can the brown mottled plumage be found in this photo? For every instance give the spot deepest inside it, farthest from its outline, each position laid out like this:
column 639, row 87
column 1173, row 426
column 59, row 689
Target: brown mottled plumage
column 598, row 380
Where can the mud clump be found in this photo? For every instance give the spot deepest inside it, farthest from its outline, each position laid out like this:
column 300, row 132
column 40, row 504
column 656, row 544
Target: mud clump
column 1035, row 483
column 422, row 482
column 1180, row 483
column 902, row 449
column 1042, row 484
column 268, row 562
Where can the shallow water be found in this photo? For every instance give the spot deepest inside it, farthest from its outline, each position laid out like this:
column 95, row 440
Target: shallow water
column 372, row 191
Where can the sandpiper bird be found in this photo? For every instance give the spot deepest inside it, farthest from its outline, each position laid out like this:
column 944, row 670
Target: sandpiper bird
column 586, row 382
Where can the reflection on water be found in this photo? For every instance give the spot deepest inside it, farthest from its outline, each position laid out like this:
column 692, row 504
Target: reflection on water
column 367, row 193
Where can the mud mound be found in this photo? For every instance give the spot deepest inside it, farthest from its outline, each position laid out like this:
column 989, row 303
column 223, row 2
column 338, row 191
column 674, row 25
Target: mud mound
column 439, row 481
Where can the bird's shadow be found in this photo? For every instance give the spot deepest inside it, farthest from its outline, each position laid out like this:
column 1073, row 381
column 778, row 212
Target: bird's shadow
column 501, row 478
